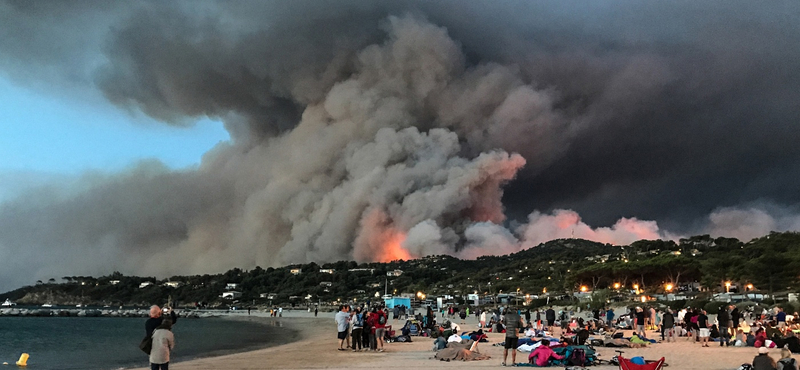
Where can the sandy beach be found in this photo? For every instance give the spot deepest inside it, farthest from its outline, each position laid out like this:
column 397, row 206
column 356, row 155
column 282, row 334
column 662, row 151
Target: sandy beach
column 316, row 345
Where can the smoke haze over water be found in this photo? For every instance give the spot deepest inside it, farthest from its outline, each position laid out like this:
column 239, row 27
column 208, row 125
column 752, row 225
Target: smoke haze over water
column 382, row 130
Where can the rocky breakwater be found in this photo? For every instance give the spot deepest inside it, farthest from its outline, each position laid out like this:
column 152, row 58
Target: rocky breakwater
column 90, row 312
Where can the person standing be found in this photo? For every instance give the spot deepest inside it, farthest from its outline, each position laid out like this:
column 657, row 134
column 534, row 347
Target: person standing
column 702, row 325
column 483, row 319
column 550, row 316
column 358, row 326
column 528, row 316
column 724, row 319
column 163, row 343
column 316, row 310
column 668, row 326
column 780, row 317
column 380, row 328
column 513, row 323
column 735, row 318
column 342, row 319
column 640, row 321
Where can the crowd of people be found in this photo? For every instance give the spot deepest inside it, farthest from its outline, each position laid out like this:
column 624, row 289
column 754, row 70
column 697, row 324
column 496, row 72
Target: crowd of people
column 361, row 327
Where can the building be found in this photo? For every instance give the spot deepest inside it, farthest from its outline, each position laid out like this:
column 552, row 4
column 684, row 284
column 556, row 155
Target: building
column 296, row 271
column 362, row 270
column 394, row 273
column 114, row 282
column 172, row 284
column 326, row 284
column 327, row 271
column 231, row 295
column 231, row 286
column 145, row 284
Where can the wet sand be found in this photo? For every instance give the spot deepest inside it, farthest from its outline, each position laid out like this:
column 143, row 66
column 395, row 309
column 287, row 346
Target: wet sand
column 316, row 348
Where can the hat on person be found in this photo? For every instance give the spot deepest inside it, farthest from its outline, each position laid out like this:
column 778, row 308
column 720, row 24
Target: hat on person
column 763, row 350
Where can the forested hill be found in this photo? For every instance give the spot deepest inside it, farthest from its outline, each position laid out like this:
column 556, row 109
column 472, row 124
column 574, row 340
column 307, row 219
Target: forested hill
column 560, row 267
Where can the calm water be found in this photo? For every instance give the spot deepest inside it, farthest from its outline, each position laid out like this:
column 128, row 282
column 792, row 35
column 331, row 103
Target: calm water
column 110, row 343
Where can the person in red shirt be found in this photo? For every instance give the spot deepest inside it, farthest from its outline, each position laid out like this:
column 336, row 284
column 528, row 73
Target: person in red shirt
column 380, row 327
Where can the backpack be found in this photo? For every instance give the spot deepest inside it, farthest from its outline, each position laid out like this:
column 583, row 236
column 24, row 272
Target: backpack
column 382, row 320
column 787, row 364
column 360, row 320
column 578, row 357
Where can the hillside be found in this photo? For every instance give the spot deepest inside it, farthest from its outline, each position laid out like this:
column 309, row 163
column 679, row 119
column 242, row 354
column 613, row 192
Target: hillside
column 559, row 266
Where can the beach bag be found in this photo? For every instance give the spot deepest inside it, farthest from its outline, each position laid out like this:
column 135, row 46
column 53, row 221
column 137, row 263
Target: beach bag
column 146, row 345
column 578, row 357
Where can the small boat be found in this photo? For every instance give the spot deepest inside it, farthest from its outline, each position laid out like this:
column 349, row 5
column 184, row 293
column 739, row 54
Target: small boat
column 47, row 305
column 8, row 303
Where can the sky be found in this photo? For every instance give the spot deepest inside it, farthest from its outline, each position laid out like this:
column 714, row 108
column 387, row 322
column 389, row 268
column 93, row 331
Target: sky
column 267, row 133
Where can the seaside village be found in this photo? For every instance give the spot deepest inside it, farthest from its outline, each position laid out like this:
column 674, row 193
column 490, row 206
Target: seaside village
column 620, row 324
column 538, row 330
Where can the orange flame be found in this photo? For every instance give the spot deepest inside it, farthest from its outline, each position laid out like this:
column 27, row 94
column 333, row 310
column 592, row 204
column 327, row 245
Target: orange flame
column 392, row 249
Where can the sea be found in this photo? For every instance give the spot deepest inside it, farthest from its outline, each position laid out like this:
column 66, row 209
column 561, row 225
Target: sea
column 94, row 343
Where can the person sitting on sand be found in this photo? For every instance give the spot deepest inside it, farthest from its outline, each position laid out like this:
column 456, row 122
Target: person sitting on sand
column 763, row 361
column 542, row 354
column 787, row 362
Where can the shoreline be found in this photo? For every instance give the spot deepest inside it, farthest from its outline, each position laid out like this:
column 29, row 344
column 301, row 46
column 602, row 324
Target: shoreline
column 315, row 348
column 290, row 329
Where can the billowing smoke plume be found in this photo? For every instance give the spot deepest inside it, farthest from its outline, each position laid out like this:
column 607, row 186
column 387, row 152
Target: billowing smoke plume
column 376, row 131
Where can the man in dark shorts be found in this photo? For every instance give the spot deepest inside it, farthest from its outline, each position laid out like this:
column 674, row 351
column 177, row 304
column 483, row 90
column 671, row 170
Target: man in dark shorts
column 513, row 324
column 550, row 316
column 342, row 323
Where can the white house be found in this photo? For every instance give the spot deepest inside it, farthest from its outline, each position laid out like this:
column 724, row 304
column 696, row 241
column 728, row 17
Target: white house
column 231, row 295
column 327, row 271
column 231, row 286
column 145, row 284
column 326, row 284
column 296, row 271
column 114, row 282
column 394, row 273
column 172, row 284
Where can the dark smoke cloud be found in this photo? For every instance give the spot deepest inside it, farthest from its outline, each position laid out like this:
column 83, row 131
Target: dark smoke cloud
column 373, row 130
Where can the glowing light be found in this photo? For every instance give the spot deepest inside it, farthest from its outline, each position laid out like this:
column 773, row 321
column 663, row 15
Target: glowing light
column 584, row 288
column 727, row 286
column 392, row 249
column 544, row 290
column 668, row 287
column 616, row 285
column 749, row 286
column 644, row 299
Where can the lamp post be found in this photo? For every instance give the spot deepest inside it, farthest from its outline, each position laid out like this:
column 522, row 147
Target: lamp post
column 636, row 288
column 668, row 287
column 727, row 287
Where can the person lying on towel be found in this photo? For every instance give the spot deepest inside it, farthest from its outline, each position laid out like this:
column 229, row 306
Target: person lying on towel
column 541, row 355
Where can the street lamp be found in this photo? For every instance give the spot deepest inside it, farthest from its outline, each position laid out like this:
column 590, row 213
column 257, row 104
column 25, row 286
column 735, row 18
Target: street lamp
column 668, row 287
column 636, row 288
column 749, row 286
column 584, row 288
column 727, row 287
column 616, row 286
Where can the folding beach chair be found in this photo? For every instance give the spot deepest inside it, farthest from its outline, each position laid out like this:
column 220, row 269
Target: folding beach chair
column 626, row 364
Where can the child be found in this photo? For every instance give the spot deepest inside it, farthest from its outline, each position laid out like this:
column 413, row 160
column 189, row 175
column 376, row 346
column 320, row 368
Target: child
column 163, row 343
